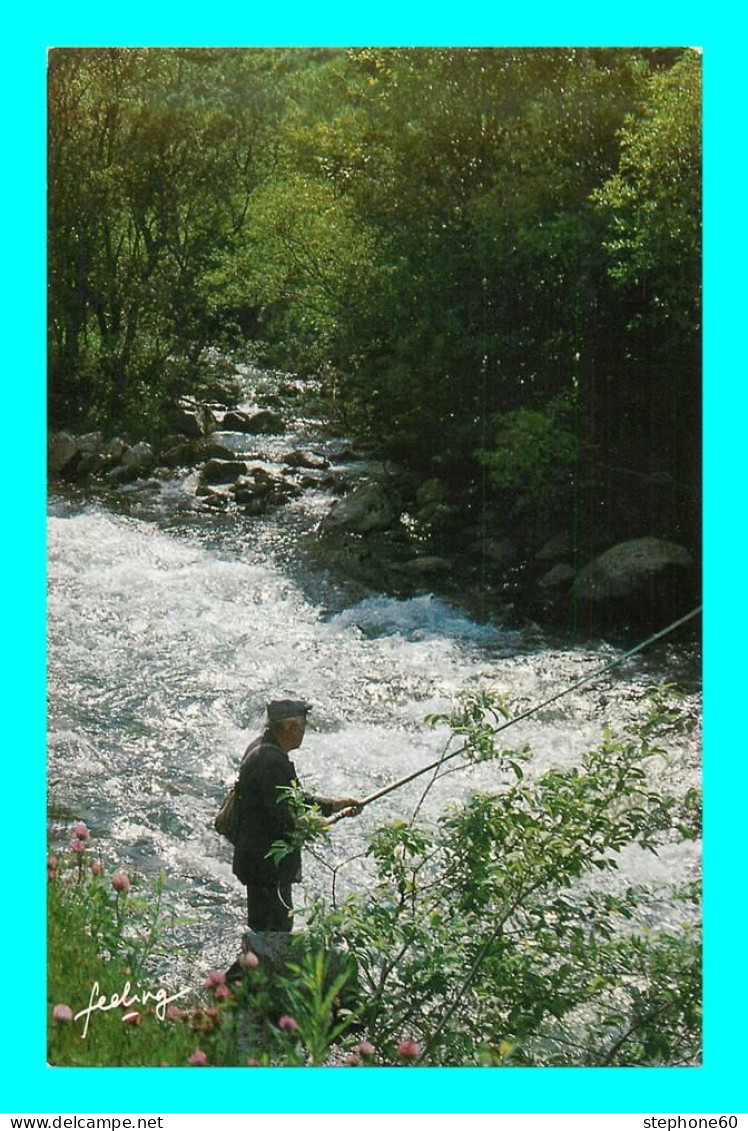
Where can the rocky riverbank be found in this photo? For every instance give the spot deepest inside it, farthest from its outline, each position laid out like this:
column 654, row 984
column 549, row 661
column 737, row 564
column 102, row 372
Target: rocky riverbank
column 384, row 528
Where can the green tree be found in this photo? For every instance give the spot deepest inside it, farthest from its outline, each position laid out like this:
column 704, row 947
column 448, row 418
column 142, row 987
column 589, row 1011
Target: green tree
column 470, row 173
column 653, row 202
column 652, row 209
column 153, row 155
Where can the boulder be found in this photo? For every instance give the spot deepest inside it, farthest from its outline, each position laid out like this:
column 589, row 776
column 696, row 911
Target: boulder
column 139, row 457
column 81, row 456
column 261, row 489
column 190, row 417
column 318, row 482
column 274, row 949
column 289, row 389
column 234, row 420
column 273, row 400
column 365, row 509
column 222, row 471
column 89, row 464
column 91, row 442
column 279, row 953
column 308, row 460
column 216, row 500
column 561, row 574
column 432, row 514
column 248, row 490
column 136, row 462
column 98, row 456
column 265, row 423
column 254, row 504
column 122, row 474
column 62, row 451
column 114, row 450
column 648, row 569
column 185, row 453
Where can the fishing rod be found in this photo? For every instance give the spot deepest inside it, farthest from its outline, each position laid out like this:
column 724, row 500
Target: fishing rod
column 518, row 718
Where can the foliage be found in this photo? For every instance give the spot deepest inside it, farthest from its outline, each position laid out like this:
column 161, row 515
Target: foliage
column 313, row 988
column 149, row 178
column 488, row 942
column 308, row 822
column 485, row 938
column 651, row 206
column 104, row 941
column 107, row 1004
column 654, row 199
column 534, row 456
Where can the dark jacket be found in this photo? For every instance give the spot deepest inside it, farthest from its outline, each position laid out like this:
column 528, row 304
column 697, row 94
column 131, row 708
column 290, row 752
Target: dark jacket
column 265, row 817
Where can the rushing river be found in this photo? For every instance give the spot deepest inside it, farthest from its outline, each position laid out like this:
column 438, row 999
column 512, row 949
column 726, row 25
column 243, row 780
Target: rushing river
column 170, row 627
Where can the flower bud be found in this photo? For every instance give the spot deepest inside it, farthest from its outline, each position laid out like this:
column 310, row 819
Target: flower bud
column 249, row 960
column 408, row 1049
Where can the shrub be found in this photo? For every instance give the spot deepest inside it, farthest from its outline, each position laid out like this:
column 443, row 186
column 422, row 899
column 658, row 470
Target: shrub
column 486, row 941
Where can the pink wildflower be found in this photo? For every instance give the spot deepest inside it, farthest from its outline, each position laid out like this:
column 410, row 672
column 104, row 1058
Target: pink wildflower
column 62, row 1013
column 77, row 845
column 252, row 1062
column 408, row 1049
column 121, row 882
column 51, row 863
column 288, row 1024
column 249, row 960
column 82, row 831
column 97, row 868
column 198, row 1058
column 365, row 1048
column 174, row 1013
column 217, row 978
column 352, row 1061
column 222, row 992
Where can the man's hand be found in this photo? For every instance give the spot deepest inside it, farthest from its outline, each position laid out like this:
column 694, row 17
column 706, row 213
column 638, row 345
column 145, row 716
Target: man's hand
column 351, row 805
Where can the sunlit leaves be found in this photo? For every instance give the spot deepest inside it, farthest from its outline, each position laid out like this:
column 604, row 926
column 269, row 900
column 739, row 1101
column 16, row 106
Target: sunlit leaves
column 496, row 937
column 653, row 202
column 307, row 820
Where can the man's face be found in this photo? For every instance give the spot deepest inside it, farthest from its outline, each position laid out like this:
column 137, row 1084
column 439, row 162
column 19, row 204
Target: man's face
column 292, row 733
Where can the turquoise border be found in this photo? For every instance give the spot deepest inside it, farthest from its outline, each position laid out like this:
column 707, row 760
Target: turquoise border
column 34, row 1086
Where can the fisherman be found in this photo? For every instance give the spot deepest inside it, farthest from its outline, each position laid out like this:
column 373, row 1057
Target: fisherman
column 265, row 816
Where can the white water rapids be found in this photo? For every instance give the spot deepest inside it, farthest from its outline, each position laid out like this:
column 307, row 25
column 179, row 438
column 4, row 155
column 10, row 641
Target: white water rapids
column 168, row 632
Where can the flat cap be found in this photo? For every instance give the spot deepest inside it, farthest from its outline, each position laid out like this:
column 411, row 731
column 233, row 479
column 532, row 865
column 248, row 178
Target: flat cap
column 280, row 709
